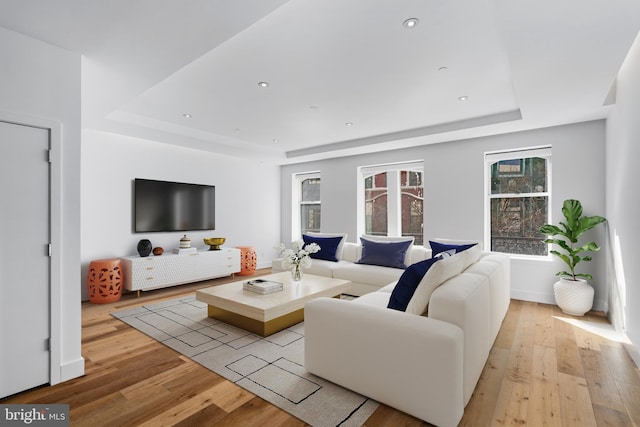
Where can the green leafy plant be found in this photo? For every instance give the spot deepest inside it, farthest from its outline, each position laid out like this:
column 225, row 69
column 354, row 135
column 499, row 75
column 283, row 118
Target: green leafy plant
column 566, row 237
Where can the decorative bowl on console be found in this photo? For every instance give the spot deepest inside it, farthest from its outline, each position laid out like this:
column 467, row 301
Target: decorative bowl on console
column 214, row 242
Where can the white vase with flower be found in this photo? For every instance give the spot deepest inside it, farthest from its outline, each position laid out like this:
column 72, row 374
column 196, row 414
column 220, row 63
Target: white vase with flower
column 297, row 258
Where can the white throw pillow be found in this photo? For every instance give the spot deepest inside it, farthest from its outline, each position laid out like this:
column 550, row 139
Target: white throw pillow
column 407, row 258
column 439, row 273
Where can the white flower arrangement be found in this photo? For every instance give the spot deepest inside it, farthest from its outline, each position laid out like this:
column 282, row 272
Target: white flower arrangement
column 299, row 255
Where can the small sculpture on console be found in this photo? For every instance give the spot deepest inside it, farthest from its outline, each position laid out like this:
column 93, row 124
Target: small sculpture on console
column 214, row 242
column 144, row 247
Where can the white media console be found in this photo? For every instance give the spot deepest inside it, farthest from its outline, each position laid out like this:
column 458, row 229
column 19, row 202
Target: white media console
column 153, row 272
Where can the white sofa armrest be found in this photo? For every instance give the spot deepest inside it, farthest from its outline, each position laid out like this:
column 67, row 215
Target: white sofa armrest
column 412, row 363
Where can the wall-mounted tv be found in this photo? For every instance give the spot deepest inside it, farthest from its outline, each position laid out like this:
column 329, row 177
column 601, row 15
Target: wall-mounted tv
column 173, row 206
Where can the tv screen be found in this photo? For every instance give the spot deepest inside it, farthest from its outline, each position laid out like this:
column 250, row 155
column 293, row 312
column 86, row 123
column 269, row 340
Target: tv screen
column 173, row 206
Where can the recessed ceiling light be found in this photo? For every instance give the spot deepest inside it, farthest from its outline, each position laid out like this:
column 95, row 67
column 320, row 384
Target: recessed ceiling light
column 276, row 140
column 463, row 98
column 443, row 68
column 186, row 115
column 348, row 124
column 263, row 84
column 411, row 23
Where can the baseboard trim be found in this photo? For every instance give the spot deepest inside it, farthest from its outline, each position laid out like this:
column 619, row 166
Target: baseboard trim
column 633, row 352
column 545, row 298
column 532, row 296
column 71, row 370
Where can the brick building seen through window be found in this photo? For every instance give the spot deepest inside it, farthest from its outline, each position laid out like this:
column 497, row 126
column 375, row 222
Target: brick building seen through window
column 377, row 198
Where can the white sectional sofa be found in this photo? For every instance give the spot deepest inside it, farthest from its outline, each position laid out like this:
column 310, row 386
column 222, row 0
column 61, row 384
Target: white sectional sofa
column 428, row 363
column 364, row 278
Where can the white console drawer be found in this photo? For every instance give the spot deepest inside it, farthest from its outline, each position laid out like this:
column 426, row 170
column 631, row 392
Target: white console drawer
column 172, row 269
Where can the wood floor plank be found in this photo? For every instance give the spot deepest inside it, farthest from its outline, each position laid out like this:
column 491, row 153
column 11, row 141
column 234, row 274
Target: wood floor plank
column 187, row 408
column 544, row 398
column 512, row 405
column 566, row 348
column 607, row 417
column 385, row 416
column 207, row 416
column 156, row 384
column 575, row 404
column 487, row 391
column 620, row 364
column 630, row 394
column 509, row 326
column 602, row 387
column 520, row 362
column 545, row 334
column 259, row 413
column 541, row 371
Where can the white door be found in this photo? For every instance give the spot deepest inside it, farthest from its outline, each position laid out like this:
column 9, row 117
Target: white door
column 24, row 258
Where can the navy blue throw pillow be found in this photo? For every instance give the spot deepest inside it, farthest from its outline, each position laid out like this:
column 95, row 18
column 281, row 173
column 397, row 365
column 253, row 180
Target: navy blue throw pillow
column 437, row 247
column 408, row 283
column 328, row 246
column 385, row 254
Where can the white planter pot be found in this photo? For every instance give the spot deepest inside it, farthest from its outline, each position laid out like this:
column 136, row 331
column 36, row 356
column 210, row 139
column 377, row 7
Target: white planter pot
column 573, row 297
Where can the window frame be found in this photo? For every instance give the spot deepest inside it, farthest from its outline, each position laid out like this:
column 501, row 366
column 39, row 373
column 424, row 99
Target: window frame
column 297, row 202
column 394, row 213
column 492, row 157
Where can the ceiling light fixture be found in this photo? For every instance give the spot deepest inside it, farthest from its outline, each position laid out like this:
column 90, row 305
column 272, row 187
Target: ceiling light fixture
column 443, row 68
column 187, row 115
column 348, row 124
column 410, row 23
column 263, row 84
column 463, row 98
column 276, row 140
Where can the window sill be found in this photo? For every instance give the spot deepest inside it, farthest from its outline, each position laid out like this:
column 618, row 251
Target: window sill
column 537, row 258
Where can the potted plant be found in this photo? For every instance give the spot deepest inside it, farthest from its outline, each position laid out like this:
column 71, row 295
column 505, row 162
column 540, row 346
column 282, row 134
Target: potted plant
column 573, row 293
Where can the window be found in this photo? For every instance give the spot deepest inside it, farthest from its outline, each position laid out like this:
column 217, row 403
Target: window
column 393, row 200
column 518, row 184
column 306, row 203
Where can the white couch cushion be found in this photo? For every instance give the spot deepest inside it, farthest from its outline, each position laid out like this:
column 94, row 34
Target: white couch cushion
column 363, row 273
column 438, row 273
column 351, row 252
column 419, row 253
column 464, row 301
column 378, row 299
column 321, row 267
column 389, row 287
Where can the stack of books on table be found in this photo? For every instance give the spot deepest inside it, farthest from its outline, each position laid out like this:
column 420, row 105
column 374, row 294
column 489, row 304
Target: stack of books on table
column 183, row 251
column 261, row 286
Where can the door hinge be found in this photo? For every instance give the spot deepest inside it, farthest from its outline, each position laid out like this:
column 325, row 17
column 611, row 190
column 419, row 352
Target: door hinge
column 49, row 249
column 47, row 344
column 49, row 156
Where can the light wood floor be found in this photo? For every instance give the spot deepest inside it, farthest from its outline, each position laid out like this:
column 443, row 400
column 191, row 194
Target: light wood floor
column 545, row 369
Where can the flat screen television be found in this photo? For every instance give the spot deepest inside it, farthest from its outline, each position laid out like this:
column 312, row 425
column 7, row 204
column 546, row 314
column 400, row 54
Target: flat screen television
column 173, row 206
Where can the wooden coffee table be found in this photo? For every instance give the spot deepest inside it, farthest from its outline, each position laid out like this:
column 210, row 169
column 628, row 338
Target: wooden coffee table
column 267, row 314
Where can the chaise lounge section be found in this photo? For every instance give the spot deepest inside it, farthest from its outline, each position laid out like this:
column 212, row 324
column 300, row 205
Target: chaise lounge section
column 425, row 361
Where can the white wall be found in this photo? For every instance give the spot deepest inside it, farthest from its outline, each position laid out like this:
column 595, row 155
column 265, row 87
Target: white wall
column 247, row 196
column 623, row 201
column 454, row 188
column 40, row 85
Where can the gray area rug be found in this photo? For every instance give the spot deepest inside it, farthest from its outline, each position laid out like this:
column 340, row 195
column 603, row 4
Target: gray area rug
column 271, row 368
